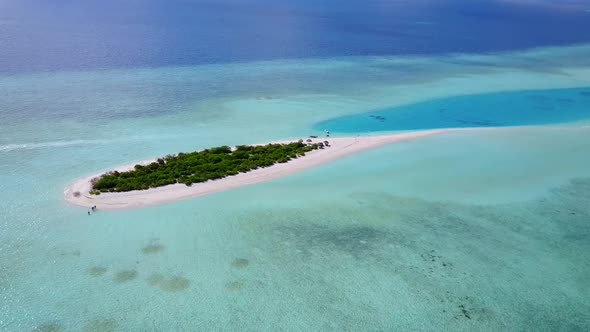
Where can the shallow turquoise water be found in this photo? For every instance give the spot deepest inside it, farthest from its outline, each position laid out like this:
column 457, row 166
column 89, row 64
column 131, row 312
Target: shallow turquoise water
column 466, row 231
column 501, row 109
column 351, row 244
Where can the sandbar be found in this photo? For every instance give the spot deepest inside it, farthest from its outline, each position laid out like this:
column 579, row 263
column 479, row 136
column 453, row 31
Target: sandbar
column 77, row 192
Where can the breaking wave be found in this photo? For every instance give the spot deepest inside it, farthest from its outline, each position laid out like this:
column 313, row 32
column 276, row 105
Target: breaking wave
column 54, row 144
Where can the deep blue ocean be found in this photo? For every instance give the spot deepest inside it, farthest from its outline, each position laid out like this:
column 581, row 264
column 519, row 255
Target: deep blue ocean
column 83, row 35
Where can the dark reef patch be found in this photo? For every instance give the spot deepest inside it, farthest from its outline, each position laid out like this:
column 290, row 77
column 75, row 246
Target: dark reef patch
column 152, row 248
column 240, row 263
column 467, row 310
column 125, row 276
column 101, row 325
column 73, row 253
column 234, row 285
column 355, row 240
column 458, row 255
column 155, row 279
column 173, row 284
column 97, row 271
column 49, row 327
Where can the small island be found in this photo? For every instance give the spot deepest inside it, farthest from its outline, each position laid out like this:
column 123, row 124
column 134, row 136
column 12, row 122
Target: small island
column 188, row 175
column 201, row 166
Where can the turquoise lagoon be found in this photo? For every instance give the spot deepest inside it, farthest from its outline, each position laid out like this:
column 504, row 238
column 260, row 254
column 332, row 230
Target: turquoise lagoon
column 501, row 109
column 479, row 230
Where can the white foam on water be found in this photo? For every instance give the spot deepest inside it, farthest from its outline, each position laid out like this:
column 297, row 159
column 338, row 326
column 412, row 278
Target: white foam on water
column 55, row 144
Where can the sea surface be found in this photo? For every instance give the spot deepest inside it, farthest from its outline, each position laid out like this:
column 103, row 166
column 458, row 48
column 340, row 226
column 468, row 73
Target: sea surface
column 500, row 109
column 479, row 230
column 59, row 35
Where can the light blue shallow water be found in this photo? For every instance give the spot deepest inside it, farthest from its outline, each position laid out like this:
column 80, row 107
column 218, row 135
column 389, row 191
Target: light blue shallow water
column 466, row 231
column 502, row 109
column 431, row 234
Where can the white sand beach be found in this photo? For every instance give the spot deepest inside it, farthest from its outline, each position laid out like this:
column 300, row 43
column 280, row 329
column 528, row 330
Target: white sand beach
column 339, row 147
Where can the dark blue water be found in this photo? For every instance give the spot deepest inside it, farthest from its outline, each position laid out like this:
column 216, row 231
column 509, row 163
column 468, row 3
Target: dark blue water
column 37, row 35
column 481, row 110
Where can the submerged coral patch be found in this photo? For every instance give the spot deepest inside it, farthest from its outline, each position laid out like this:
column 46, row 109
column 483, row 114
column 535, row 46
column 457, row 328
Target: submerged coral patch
column 240, row 263
column 49, row 327
column 174, row 284
column 354, row 240
column 97, row 271
column 155, row 279
column 125, row 276
column 152, row 248
column 101, row 325
column 234, row 285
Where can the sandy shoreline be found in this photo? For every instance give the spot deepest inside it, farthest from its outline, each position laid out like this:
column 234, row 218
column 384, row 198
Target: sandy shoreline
column 340, row 146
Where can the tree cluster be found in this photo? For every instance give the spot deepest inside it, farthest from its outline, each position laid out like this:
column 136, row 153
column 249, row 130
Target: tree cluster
column 199, row 166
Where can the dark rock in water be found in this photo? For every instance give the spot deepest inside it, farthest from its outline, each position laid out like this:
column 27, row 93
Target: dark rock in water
column 585, row 93
column 378, row 117
column 464, row 311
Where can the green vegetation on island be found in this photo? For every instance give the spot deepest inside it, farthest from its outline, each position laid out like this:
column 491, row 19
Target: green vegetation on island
column 199, row 166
